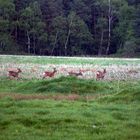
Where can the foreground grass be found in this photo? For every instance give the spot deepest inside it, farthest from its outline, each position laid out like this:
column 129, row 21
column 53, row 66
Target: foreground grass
column 67, row 85
column 64, row 85
column 41, row 119
column 113, row 117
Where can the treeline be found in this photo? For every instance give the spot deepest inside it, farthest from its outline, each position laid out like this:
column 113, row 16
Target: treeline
column 70, row 27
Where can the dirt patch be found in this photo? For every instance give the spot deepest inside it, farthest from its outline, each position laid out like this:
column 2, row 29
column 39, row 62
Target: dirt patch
column 71, row 97
column 41, row 97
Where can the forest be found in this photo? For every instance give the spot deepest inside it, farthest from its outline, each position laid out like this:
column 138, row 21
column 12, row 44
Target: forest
column 70, row 27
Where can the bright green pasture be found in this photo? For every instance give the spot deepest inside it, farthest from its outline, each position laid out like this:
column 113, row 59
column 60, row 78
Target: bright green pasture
column 111, row 117
column 68, row 85
column 64, row 85
column 68, row 120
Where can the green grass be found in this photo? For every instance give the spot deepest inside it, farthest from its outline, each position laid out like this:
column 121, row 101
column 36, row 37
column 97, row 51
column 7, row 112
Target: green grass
column 66, row 60
column 41, row 119
column 126, row 95
column 113, row 115
column 65, row 85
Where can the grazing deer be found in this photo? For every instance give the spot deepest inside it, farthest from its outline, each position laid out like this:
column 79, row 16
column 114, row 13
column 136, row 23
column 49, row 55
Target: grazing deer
column 100, row 74
column 72, row 73
column 49, row 74
column 14, row 73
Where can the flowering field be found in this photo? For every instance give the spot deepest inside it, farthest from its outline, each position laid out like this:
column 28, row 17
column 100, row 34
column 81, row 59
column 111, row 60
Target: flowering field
column 33, row 67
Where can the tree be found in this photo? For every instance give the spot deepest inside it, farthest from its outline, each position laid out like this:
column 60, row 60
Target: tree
column 32, row 25
column 80, row 37
column 136, row 27
column 7, row 11
column 124, row 30
column 58, row 36
column 69, row 27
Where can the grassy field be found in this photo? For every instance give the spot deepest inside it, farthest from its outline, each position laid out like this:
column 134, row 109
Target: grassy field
column 68, row 108
column 34, row 66
column 41, row 119
column 67, row 60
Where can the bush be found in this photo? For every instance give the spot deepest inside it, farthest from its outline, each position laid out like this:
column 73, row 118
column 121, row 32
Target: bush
column 129, row 49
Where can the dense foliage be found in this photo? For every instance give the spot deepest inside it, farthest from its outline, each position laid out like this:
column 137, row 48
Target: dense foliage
column 70, row 27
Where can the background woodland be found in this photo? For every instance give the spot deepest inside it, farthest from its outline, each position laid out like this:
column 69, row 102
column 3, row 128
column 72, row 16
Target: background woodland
column 70, row 27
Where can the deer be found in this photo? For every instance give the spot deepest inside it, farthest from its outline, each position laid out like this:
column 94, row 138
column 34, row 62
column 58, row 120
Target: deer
column 49, row 74
column 84, row 70
column 100, row 74
column 72, row 73
column 14, row 72
column 132, row 71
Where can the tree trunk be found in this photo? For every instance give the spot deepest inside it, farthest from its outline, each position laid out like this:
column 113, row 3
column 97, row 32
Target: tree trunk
column 55, row 41
column 101, row 43
column 67, row 42
column 16, row 32
column 34, row 44
column 94, row 22
column 109, row 27
column 28, row 42
column 67, row 39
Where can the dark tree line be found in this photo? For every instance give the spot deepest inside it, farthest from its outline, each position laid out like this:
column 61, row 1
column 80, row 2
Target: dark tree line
column 70, row 27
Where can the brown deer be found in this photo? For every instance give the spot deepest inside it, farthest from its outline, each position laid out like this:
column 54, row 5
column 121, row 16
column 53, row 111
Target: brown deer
column 72, row 73
column 100, row 74
column 49, row 74
column 14, row 72
column 84, row 70
column 132, row 72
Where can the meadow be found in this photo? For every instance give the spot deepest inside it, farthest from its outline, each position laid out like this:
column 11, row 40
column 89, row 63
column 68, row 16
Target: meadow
column 66, row 107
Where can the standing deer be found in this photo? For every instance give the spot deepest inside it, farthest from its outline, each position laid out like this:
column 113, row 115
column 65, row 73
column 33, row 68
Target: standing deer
column 100, row 74
column 49, row 74
column 14, row 73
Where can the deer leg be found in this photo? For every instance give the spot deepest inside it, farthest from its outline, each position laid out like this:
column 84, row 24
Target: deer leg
column 11, row 77
column 44, row 77
column 18, row 78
